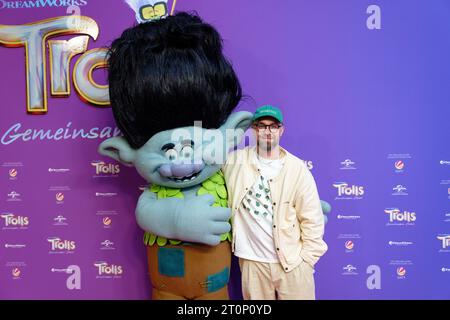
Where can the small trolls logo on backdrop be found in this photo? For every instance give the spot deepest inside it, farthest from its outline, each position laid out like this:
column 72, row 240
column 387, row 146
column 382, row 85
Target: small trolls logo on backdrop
column 103, row 169
column 57, row 245
column 105, row 270
column 397, row 217
column 12, row 221
column 348, row 192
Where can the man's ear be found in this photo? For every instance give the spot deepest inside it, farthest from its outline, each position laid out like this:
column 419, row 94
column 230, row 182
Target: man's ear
column 235, row 127
column 119, row 149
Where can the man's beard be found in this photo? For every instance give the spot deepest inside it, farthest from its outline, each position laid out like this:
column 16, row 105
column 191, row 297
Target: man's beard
column 266, row 146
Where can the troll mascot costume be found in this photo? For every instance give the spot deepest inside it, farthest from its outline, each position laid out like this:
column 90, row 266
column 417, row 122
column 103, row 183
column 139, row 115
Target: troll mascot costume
column 172, row 93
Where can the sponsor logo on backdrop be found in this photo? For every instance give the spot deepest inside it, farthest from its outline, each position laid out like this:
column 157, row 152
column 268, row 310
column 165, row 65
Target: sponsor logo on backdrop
column 60, row 220
column 106, row 270
column 347, row 217
column 104, row 169
column 74, row 280
column 14, row 246
column 60, row 193
column 13, row 171
column 349, row 270
column 59, row 197
column 107, row 245
column 400, row 218
column 107, row 213
column 399, row 166
column 12, row 221
column 350, row 243
column 348, row 192
column 445, row 162
column 106, row 194
column 58, row 245
column 13, row 174
column 12, row 164
column 107, row 221
column 38, row 4
column 349, row 236
column 349, row 246
column 399, row 162
column 400, row 243
column 445, row 242
column 401, row 272
column 13, row 196
column 399, row 156
column 58, row 170
column 444, row 269
column 347, row 164
column 400, row 263
column 399, row 190
column 16, row 269
column 16, row 273
column 400, row 267
column 447, row 217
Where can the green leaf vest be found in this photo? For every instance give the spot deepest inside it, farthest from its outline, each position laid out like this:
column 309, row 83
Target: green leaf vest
column 215, row 185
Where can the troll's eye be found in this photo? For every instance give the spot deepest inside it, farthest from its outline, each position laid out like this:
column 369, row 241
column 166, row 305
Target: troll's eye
column 187, row 152
column 171, row 154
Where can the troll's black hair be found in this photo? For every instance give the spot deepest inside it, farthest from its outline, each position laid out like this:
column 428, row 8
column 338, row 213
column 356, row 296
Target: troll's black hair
column 169, row 73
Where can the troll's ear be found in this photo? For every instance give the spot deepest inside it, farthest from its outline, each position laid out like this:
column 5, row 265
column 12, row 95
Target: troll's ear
column 118, row 149
column 235, row 126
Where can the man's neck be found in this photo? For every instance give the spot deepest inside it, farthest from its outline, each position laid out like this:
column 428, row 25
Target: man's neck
column 272, row 154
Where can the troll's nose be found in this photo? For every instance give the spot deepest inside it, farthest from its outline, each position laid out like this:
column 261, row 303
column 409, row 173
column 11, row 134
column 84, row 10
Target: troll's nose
column 180, row 170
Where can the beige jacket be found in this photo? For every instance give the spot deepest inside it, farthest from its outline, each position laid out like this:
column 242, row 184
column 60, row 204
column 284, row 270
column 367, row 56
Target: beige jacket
column 298, row 225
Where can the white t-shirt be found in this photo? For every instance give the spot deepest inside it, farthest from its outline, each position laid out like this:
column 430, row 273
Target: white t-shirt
column 254, row 219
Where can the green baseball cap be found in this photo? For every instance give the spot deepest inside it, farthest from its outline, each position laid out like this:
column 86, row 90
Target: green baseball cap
column 268, row 111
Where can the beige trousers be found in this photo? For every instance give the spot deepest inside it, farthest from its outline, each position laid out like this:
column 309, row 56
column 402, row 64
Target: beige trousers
column 268, row 281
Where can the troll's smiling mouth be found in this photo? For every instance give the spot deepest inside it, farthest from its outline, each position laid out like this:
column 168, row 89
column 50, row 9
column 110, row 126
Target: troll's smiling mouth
column 186, row 178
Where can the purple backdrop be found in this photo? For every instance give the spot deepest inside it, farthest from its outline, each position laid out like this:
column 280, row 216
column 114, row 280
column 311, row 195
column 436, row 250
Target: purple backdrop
column 368, row 110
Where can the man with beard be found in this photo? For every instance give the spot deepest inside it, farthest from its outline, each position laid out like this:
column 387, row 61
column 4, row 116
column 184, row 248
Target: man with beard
column 277, row 219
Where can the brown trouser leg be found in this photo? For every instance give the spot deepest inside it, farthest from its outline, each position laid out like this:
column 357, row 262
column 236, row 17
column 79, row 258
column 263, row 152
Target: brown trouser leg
column 200, row 262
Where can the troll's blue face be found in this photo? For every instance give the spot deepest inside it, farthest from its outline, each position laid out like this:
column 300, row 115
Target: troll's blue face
column 181, row 157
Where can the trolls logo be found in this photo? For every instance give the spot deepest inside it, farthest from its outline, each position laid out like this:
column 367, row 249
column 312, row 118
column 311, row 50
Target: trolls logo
column 34, row 37
column 404, row 217
column 445, row 241
column 105, row 168
column 12, row 220
column 105, row 269
column 61, row 245
column 344, row 191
